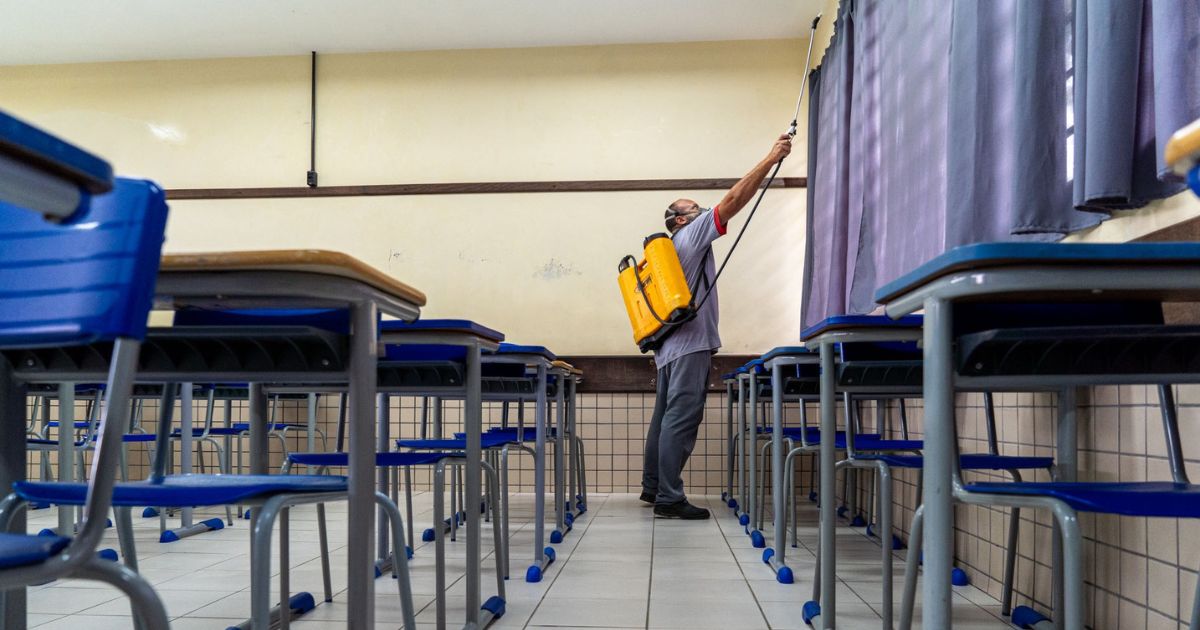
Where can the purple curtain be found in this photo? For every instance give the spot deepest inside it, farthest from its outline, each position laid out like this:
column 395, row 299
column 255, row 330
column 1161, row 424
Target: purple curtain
column 966, row 122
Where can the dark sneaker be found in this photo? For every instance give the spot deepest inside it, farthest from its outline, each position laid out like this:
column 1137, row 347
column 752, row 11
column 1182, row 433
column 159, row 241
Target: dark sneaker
column 682, row 510
column 648, row 497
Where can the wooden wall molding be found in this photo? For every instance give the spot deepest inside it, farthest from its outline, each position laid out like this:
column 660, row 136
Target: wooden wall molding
column 470, row 188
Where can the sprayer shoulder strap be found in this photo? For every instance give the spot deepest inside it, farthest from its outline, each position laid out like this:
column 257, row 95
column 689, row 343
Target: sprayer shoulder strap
column 696, row 289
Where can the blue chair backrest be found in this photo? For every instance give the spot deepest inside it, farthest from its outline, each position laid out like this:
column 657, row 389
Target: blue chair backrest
column 88, row 279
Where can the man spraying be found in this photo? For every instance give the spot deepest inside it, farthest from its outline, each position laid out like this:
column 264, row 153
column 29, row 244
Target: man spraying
column 685, row 357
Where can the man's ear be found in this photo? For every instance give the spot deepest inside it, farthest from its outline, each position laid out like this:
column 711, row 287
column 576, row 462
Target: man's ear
column 680, row 221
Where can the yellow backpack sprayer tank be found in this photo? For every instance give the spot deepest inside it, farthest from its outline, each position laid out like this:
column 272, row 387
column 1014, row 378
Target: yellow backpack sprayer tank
column 655, row 290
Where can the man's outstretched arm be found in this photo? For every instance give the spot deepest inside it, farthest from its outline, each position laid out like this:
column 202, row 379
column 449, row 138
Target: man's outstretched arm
column 740, row 194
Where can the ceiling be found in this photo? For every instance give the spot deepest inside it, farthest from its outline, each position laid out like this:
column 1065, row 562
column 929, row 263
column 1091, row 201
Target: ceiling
column 70, row 31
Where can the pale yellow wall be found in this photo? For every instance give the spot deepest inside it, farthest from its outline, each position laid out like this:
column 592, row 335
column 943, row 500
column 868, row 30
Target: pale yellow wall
column 540, row 267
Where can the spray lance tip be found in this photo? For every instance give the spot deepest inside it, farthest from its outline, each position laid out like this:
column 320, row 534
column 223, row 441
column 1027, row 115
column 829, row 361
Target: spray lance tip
column 815, row 21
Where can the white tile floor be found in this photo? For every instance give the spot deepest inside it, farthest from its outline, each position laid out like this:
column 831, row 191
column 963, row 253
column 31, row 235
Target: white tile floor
column 619, row 568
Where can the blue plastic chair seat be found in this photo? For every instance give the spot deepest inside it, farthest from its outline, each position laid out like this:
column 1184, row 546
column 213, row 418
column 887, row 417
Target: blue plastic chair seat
column 18, row 550
column 971, row 461
column 184, row 490
column 512, row 434
column 813, row 436
column 197, row 432
column 137, row 437
column 864, row 443
column 1164, row 499
column 389, row 459
column 79, row 424
column 242, row 427
column 487, row 440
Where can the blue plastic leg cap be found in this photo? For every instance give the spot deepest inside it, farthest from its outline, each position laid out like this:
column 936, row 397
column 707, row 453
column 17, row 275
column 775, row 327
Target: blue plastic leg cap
column 569, row 519
column 784, row 576
column 494, row 605
column 812, row 496
column 301, row 603
column 408, row 552
column 168, row 536
column 149, row 512
column 811, row 611
column 107, row 523
column 556, row 537
column 842, row 511
column 1026, row 617
column 214, row 524
column 857, row 521
column 768, row 553
column 756, row 539
column 958, row 577
column 47, row 532
column 246, row 514
column 896, row 542
column 107, row 554
column 427, row 535
column 732, row 503
column 549, row 553
column 533, row 574
column 871, row 530
column 744, row 519
column 378, row 572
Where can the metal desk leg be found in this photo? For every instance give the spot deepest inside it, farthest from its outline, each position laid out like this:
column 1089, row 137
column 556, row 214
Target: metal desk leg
column 740, row 508
column 360, row 568
column 756, row 538
column 731, row 450
column 542, row 555
column 774, row 556
column 12, row 468
column 383, row 440
column 311, row 441
column 560, row 443
column 473, row 425
column 185, row 443
column 66, row 453
column 939, row 464
column 826, row 612
column 1066, row 467
column 259, row 447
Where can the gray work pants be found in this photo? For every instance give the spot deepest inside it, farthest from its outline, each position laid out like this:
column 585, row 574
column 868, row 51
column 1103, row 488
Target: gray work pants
column 678, row 411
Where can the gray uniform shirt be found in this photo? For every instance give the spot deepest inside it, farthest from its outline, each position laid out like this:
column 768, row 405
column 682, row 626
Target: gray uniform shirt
column 693, row 243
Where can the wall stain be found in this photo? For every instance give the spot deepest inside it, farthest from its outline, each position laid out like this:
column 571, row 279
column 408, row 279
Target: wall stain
column 555, row 269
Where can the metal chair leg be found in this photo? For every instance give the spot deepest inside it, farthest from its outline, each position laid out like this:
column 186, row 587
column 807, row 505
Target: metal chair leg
column 323, row 537
column 1010, row 554
column 911, row 569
